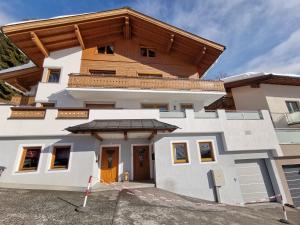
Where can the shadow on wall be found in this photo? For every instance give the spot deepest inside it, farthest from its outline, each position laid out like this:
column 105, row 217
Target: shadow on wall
column 211, row 184
column 63, row 97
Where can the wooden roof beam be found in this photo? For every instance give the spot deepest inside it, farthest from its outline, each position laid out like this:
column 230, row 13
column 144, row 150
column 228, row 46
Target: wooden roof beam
column 39, row 44
column 170, row 44
column 152, row 135
column 79, row 36
column 97, row 136
column 200, row 56
column 127, row 29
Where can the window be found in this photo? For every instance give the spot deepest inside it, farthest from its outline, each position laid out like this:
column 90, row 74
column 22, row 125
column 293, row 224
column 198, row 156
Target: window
column 149, row 75
column 185, row 106
column 100, row 105
column 60, row 157
column 293, row 106
column 48, row 104
column 161, row 106
column 206, row 151
column 103, row 72
column 107, row 49
column 147, row 52
column 30, row 159
column 180, row 154
column 53, row 75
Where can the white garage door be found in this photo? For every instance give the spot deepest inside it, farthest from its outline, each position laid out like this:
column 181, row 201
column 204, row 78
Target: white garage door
column 254, row 180
column 292, row 175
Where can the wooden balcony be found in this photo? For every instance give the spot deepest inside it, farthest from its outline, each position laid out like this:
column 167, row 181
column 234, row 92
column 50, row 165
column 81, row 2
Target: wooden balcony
column 97, row 81
column 23, row 100
column 27, row 113
column 72, row 114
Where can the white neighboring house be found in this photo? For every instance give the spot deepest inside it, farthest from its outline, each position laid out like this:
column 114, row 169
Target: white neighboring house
column 118, row 91
column 280, row 94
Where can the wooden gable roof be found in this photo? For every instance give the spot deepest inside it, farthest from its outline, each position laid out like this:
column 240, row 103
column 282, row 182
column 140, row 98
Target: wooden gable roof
column 39, row 37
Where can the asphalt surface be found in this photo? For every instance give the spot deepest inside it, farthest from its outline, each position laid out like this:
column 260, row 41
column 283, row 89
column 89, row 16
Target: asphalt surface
column 147, row 206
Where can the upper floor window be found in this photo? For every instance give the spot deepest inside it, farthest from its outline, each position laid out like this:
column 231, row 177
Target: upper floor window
column 103, row 72
column 147, row 52
column 150, row 75
column 106, row 49
column 185, row 106
column 100, row 105
column 161, row 106
column 293, row 106
column 30, row 159
column 53, row 75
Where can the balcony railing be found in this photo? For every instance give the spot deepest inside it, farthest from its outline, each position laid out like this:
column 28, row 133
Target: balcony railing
column 293, row 118
column 241, row 115
column 72, row 114
column 22, row 100
column 97, row 81
column 27, row 113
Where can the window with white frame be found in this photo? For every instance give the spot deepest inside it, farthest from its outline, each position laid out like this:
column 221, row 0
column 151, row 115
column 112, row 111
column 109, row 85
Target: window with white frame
column 293, row 106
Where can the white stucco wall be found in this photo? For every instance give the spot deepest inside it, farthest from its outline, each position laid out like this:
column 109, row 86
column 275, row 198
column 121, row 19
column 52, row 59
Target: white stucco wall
column 269, row 97
column 69, row 61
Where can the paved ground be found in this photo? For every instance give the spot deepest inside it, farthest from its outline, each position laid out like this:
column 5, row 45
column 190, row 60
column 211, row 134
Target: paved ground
column 148, row 206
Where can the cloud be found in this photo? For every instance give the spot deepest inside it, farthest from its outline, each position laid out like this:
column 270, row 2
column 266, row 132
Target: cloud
column 283, row 58
column 5, row 16
column 247, row 28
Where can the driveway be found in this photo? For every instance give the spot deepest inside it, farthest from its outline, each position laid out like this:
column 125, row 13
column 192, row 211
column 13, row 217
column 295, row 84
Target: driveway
column 147, row 206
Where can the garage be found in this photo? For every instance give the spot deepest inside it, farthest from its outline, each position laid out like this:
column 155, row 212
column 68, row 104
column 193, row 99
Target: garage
column 254, row 180
column 292, row 175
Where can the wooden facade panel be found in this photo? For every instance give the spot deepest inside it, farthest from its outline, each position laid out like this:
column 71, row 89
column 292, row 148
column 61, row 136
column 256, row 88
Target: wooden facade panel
column 127, row 61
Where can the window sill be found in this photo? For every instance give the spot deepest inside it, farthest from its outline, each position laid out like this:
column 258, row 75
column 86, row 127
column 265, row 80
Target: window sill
column 26, row 171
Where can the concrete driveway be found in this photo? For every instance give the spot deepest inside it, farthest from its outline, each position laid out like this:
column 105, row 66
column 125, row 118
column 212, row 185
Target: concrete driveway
column 133, row 206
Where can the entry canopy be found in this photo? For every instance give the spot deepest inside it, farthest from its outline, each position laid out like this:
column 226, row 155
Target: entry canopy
column 122, row 125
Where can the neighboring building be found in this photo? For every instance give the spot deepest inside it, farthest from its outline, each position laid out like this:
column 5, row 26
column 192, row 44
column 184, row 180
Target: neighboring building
column 280, row 94
column 119, row 91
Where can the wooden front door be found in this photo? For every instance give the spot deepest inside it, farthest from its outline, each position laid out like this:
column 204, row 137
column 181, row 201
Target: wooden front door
column 109, row 164
column 141, row 162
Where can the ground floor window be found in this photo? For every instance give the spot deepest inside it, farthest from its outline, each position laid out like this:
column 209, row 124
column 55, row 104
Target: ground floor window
column 206, row 151
column 60, row 157
column 180, row 153
column 30, row 159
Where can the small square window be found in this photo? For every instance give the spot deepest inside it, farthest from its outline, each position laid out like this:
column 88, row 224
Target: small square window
column 147, row 52
column 101, row 50
column 53, row 75
column 206, row 152
column 151, row 53
column 144, row 52
column 60, row 157
column 109, row 49
column 106, row 49
column 30, row 159
column 180, row 153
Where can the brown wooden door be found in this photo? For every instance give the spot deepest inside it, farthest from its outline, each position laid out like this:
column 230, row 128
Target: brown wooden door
column 109, row 164
column 141, row 163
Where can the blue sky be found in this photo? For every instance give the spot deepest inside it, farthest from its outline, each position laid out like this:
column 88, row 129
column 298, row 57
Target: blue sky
column 260, row 35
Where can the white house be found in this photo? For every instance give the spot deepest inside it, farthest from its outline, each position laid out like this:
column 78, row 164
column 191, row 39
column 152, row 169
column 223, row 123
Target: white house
column 118, row 91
